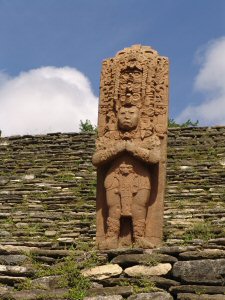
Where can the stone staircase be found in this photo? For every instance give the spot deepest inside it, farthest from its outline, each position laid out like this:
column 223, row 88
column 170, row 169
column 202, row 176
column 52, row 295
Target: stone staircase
column 176, row 272
column 47, row 222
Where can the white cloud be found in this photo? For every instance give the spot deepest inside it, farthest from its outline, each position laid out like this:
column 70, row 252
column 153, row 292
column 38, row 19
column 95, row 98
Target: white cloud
column 211, row 82
column 45, row 100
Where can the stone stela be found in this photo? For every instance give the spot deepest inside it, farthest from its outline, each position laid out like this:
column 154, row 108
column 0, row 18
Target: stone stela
column 131, row 149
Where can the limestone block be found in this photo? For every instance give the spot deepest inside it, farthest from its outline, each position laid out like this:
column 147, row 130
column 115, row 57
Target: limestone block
column 198, row 289
column 50, row 233
column 9, row 249
column 15, row 270
column 186, row 296
column 5, row 289
column 219, row 241
column 160, row 269
column 124, row 291
column 207, row 253
column 47, row 282
column 11, row 280
column 36, row 294
column 151, row 296
column 103, row 272
column 127, row 260
column 13, row 259
column 113, row 297
column 206, row 271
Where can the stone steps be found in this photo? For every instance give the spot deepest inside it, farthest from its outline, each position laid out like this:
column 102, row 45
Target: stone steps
column 132, row 274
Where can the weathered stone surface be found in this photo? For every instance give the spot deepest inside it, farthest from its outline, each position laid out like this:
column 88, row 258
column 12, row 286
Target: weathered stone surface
column 206, row 253
column 162, row 282
column 185, row 296
column 113, row 297
column 159, row 282
column 131, row 144
column 219, row 241
column 45, row 259
column 66, row 240
column 200, row 271
column 9, row 249
column 36, row 294
column 47, row 282
column 174, row 250
column 51, row 253
column 127, row 260
column 122, row 251
column 4, row 233
column 4, row 290
column 198, row 289
column 160, row 269
column 16, row 270
column 11, row 280
column 13, row 259
column 50, row 233
column 151, row 296
column 124, row 291
column 103, row 272
column 96, row 285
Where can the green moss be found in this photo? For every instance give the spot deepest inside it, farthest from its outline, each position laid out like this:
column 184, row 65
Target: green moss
column 152, row 261
column 69, row 269
column 8, row 221
column 201, row 230
column 65, row 176
column 141, row 285
column 25, row 285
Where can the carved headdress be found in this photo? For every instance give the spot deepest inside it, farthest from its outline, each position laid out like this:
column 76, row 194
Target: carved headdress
column 136, row 76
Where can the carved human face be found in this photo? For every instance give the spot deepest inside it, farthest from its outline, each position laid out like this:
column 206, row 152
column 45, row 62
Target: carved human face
column 128, row 117
column 126, row 169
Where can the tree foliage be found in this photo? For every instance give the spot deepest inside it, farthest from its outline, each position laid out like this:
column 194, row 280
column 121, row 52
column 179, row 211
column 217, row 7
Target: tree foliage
column 188, row 123
column 87, row 126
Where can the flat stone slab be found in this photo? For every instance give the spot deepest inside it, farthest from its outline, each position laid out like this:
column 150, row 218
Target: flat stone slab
column 47, row 282
column 158, row 270
column 185, row 296
column 174, row 250
column 4, row 290
column 51, row 253
column 36, row 294
column 126, row 260
column 219, row 241
column 151, row 296
column 198, row 289
column 115, row 252
column 204, row 254
column 205, row 271
column 15, row 270
column 103, row 272
column 13, row 260
column 124, row 291
column 160, row 282
column 113, row 297
column 11, row 280
column 9, row 249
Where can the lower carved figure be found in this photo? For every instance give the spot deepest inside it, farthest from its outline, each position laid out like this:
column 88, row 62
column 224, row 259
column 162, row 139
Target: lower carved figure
column 128, row 187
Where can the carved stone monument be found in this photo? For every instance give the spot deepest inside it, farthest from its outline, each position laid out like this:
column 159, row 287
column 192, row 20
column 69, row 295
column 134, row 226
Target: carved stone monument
column 131, row 149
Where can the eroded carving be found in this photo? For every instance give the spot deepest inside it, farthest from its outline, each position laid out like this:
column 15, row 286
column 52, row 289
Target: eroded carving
column 131, row 148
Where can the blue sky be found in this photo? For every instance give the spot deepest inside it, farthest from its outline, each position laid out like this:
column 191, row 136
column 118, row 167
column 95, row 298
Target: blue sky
column 49, row 35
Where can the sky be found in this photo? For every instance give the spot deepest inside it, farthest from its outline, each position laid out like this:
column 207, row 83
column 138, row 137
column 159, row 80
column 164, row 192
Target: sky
column 51, row 53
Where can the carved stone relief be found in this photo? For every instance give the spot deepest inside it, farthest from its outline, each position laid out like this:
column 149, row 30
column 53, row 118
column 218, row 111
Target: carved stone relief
column 131, row 148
